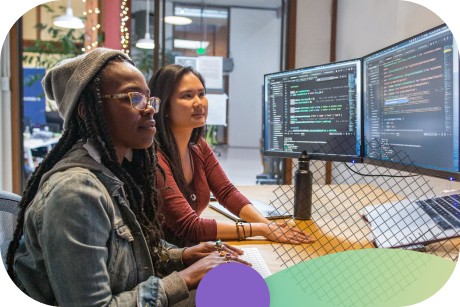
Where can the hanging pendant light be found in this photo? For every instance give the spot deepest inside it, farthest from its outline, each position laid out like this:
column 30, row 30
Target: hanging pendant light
column 146, row 42
column 178, row 20
column 69, row 20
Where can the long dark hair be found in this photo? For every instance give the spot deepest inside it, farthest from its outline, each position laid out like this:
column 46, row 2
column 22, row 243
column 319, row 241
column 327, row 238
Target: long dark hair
column 162, row 85
column 143, row 202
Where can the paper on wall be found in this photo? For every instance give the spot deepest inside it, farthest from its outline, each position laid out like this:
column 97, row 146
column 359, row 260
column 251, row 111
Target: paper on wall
column 217, row 109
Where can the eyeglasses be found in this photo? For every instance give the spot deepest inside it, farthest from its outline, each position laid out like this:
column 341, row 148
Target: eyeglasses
column 138, row 100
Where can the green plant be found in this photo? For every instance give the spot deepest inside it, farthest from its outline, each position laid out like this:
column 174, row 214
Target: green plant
column 143, row 59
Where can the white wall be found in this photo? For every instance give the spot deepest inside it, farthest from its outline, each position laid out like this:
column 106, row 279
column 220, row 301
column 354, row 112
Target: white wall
column 363, row 26
column 313, row 32
column 255, row 39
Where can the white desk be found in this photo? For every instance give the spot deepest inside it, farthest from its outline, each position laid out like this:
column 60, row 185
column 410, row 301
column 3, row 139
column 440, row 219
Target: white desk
column 33, row 143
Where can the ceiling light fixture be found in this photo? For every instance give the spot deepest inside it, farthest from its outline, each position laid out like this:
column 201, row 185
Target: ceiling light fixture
column 190, row 44
column 178, row 20
column 69, row 20
column 201, row 12
column 146, row 42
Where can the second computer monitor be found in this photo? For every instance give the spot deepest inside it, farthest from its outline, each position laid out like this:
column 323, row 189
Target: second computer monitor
column 411, row 103
column 317, row 109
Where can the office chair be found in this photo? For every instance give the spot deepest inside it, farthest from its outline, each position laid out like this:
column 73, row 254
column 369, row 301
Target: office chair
column 9, row 210
column 54, row 121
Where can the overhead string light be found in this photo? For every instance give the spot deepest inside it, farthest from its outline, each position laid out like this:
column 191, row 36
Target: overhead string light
column 124, row 30
column 92, row 16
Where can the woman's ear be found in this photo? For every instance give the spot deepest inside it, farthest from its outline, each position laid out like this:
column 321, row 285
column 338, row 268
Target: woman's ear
column 81, row 111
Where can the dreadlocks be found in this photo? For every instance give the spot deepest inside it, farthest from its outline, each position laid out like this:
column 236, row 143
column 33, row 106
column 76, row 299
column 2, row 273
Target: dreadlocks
column 141, row 194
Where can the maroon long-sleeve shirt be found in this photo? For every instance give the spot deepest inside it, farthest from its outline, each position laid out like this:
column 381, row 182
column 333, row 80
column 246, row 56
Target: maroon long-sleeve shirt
column 182, row 223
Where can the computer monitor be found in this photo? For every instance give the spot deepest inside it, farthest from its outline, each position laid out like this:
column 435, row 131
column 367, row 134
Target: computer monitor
column 411, row 104
column 317, row 109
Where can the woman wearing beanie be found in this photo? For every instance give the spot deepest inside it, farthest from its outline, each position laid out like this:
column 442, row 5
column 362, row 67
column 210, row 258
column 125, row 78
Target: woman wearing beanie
column 192, row 171
column 87, row 231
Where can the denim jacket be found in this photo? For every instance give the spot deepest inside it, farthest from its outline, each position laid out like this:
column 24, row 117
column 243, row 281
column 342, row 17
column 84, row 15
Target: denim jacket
column 77, row 249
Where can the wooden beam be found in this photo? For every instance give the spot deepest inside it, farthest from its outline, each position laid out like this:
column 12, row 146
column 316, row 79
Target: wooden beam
column 291, row 33
column 92, row 19
column 332, row 58
column 54, row 48
column 156, row 34
column 163, row 33
column 17, row 147
column 332, row 52
column 290, row 64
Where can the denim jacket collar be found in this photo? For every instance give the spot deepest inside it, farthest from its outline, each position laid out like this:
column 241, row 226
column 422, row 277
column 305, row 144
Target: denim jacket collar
column 85, row 155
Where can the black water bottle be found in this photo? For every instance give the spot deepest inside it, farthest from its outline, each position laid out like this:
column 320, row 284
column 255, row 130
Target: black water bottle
column 303, row 188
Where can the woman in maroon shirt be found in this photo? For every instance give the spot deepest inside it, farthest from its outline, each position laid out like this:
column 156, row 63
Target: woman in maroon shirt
column 192, row 172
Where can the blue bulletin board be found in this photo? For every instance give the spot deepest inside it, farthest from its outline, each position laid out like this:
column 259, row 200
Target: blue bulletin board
column 34, row 97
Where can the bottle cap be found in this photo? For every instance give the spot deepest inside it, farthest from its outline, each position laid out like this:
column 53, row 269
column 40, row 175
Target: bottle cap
column 304, row 156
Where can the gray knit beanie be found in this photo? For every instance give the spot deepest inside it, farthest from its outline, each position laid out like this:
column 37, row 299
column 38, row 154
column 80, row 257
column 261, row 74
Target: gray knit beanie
column 65, row 82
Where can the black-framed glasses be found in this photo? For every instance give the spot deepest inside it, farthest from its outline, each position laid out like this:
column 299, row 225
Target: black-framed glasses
column 138, row 100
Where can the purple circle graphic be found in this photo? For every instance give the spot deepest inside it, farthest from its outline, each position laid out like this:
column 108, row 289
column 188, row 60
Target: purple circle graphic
column 232, row 284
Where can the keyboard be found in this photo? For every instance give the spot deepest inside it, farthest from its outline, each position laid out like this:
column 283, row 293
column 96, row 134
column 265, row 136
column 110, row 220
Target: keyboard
column 253, row 256
column 442, row 209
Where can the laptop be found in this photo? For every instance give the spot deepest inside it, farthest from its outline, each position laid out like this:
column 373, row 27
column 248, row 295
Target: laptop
column 408, row 223
column 266, row 210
